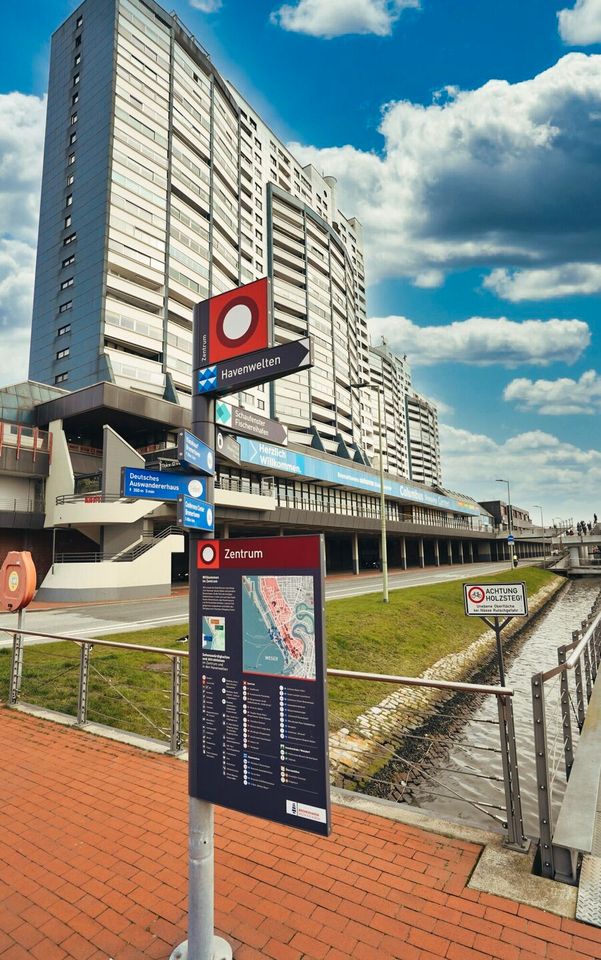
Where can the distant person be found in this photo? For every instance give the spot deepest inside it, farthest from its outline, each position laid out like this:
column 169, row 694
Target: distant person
column 515, row 560
column 595, row 519
column 589, row 526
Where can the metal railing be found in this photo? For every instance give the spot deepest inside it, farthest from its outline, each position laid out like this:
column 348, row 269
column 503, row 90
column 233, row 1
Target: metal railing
column 95, row 688
column 90, row 496
column 127, row 555
column 21, row 505
column 575, row 674
column 261, row 486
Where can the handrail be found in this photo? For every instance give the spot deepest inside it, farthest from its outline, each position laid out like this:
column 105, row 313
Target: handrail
column 577, row 647
column 92, row 496
column 127, row 555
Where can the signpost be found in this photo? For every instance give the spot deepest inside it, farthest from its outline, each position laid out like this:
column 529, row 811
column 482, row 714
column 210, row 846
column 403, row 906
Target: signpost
column 262, row 366
column 195, row 514
column 160, row 485
column 241, row 420
column 192, row 452
column 227, row 447
column 496, row 600
column 232, row 708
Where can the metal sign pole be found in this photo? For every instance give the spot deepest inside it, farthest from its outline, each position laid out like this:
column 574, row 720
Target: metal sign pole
column 500, row 652
column 202, row 944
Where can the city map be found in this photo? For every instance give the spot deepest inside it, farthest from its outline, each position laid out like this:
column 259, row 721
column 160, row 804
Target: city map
column 278, row 626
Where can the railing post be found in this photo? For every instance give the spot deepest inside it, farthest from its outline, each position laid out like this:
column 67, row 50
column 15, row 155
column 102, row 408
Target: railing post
column 587, row 672
column 566, row 720
column 578, row 683
column 511, row 780
column 84, row 678
column 16, row 667
column 176, row 705
column 543, row 787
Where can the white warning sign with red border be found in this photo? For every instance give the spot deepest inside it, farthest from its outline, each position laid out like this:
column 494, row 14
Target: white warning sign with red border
column 495, row 599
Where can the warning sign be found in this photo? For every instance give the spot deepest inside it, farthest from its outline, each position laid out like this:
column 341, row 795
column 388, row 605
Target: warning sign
column 495, row 599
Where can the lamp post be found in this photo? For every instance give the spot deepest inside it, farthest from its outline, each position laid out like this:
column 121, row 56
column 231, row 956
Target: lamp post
column 542, row 523
column 509, row 516
column 383, row 543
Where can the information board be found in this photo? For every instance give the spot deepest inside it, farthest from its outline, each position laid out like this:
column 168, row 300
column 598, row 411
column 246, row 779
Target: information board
column 160, row 485
column 192, row 452
column 260, row 716
column 495, row 599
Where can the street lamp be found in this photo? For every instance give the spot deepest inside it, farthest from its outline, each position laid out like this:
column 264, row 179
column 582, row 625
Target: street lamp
column 542, row 523
column 509, row 515
column 383, row 543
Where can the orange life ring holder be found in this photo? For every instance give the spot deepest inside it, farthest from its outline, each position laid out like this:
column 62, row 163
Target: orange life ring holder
column 17, row 580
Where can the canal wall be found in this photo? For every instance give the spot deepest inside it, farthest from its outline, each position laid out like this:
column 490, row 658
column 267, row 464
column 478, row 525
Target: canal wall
column 358, row 752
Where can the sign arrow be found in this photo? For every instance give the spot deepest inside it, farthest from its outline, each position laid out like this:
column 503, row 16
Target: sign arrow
column 261, row 366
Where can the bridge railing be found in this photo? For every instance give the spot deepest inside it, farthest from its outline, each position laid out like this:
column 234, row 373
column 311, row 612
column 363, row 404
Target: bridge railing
column 556, row 750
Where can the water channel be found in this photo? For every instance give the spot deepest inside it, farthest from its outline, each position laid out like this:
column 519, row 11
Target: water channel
column 466, row 753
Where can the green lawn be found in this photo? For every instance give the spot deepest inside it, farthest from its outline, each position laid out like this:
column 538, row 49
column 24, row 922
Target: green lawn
column 130, row 690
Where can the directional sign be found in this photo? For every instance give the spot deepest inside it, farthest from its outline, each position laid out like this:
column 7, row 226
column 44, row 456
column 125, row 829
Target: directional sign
column 511, row 538
column 192, row 452
column 233, row 323
column 241, row 420
column 160, row 485
column 495, row 599
column 227, row 447
column 260, row 705
column 259, row 367
column 195, row 514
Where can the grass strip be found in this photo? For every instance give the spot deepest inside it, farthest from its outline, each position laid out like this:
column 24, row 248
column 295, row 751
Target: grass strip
column 132, row 690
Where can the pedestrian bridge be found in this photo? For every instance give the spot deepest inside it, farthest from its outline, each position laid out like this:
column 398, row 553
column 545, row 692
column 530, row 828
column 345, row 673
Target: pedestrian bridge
column 582, row 553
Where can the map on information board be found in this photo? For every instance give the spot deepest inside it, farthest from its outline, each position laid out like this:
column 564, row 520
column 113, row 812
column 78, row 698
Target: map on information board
column 278, row 626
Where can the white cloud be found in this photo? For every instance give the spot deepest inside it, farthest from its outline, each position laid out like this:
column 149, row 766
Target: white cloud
column 567, row 280
column 557, row 397
column 483, row 341
column 207, row 6
column 334, row 18
column 564, row 478
column 581, row 25
column 21, row 149
column 500, row 176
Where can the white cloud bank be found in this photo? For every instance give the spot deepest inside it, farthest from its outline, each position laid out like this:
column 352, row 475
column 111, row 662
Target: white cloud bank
column 567, row 280
column 500, row 176
column 557, row 397
column 483, row 341
column 581, row 25
column 206, row 6
column 335, row 18
column 563, row 477
column 21, row 148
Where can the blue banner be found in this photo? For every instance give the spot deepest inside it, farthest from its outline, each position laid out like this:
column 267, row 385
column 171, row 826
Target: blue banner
column 158, row 485
column 304, row 465
column 192, row 452
column 195, row 514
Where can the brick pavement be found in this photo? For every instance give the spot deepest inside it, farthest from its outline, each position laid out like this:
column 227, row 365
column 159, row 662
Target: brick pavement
column 93, row 864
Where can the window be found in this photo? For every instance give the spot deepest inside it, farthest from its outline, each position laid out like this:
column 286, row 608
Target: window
column 68, row 201
column 70, row 159
column 63, row 353
column 63, row 330
column 61, row 377
column 70, row 179
column 64, row 307
column 72, row 139
column 69, row 239
column 75, row 98
column 67, row 283
column 78, row 41
column 79, row 21
column 68, row 221
column 68, row 261
column 77, row 60
column 76, row 79
column 74, row 118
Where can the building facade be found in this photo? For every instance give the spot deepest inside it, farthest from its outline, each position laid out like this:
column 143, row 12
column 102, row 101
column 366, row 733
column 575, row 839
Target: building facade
column 162, row 186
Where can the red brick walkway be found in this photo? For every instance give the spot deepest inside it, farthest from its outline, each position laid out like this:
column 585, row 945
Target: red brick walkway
column 93, row 863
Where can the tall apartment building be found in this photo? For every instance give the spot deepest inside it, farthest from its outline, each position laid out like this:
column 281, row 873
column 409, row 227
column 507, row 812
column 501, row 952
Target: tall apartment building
column 424, row 443
column 162, row 186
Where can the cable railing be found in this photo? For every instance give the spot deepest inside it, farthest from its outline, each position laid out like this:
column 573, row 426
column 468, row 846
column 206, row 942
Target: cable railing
column 383, row 751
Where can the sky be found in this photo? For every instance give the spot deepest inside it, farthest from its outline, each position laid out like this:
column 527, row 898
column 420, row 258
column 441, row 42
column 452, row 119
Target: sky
column 466, row 138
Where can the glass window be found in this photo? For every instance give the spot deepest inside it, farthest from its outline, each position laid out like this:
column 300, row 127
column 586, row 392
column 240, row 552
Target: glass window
column 71, row 159
column 62, row 353
column 74, row 118
column 72, row 138
column 77, row 60
column 68, row 260
column 68, row 221
column 67, row 283
column 70, row 238
column 68, row 199
column 75, row 79
column 79, row 21
column 61, row 377
column 63, row 330
column 65, row 306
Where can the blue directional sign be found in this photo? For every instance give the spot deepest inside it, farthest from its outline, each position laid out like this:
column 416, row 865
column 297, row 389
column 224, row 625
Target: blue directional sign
column 511, row 538
column 160, row 485
column 195, row 514
column 192, row 452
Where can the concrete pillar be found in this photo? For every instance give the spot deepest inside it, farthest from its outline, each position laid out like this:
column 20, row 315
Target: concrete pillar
column 403, row 553
column 450, row 551
column 461, row 558
column 226, row 531
column 420, row 545
column 282, row 532
column 436, row 553
column 574, row 556
column 471, row 551
column 355, row 553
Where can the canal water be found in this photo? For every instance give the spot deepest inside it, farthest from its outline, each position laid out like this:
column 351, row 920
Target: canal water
column 466, row 755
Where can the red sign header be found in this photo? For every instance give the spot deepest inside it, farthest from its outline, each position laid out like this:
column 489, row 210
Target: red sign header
column 268, row 553
column 234, row 323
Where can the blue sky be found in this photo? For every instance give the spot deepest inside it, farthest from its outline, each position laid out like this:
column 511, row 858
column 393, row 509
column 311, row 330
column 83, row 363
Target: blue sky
column 466, row 137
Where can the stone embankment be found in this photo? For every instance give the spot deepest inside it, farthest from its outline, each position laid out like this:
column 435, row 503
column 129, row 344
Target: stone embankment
column 376, row 734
